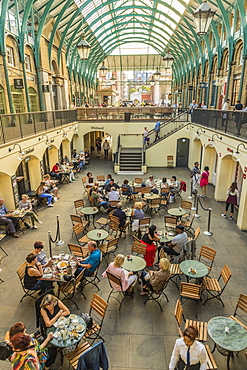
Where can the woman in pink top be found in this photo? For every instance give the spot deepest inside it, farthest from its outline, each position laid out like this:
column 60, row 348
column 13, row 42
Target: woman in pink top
column 204, row 181
column 115, row 268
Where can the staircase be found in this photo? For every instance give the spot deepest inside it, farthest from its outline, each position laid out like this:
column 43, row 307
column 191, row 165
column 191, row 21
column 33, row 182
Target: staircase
column 130, row 161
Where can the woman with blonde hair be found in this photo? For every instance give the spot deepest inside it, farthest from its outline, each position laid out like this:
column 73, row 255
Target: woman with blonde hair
column 42, row 193
column 156, row 279
column 26, row 205
column 51, row 309
column 128, row 278
column 50, row 186
column 137, row 214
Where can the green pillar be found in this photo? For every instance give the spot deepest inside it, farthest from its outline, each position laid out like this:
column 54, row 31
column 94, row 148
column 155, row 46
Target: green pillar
column 6, row 73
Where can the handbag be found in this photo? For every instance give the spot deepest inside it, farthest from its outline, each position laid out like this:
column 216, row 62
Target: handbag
column 88, row 320
column 5, row 351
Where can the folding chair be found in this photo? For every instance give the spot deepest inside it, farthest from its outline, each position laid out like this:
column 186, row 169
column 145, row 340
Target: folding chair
column 116, row 280
column 92, row 279
column 2, row 236
column 190, row 291
column 113, row 204
column 103, row 222
column 109, row 248
column 76, row 219
column 213, row 287
column 188, row 225
column 207, row 256
column 137, row 193
column 97, row 311
column 77, row 250
column 138, row 248
column 69, row 288
column 21, row 274
column 84, row 181
column 79, row 204
column 164, row 201
column 241, row 305
column 186, row 205
column 201, row 325
column 138, row 180
column 73, row 357
column 114, row 225
column 78, row 230
column 154, row 295
column 154, row 204
column 175, row 272
column 170, row 222
column 100, row 178
column 144, row 223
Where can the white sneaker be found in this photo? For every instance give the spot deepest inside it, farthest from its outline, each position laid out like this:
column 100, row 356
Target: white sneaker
column 34, row 227
column 40, row 222
column 50, row 205
column 223, row 215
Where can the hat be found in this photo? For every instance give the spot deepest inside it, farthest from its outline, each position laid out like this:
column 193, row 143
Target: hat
column 181, row 227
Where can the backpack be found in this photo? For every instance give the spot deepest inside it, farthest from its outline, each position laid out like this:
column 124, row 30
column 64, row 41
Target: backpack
column 5, row 351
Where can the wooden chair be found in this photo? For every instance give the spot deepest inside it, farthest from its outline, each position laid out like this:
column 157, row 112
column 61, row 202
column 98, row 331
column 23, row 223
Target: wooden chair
column 138, row 248
column 73, row 357
column 78, row 230
column 76, row 219
column 145, row 190
column 188, row 225
column 114, row 226
column 79, row 204
column 213, row 287
column 197, row 233
column 97, row 311
column 170, row 161
column 186, row 205
column 100, row 178
column 21, row 274
column 164, row 201
column 138, row 180
column 175, row 273
column 154, row 295
column 77, row 250
column 138, row 191
column 109, row 248
column 190, row 291
column 113, row 203
column 201, row 325
column 207, row 256
column 241, row 305
column 116, row 280
column 154, row 204
column 211, row 364
column 69, row 288
column 2, row 236
column 84, row 182
column 144, row 223
column 103, row 222
column 170, row 222
column 93, row 279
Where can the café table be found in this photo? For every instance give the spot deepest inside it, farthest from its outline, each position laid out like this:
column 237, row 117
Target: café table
column 228, row 336
column 164, row 237
column 149, row 196
column 177, row 212
column 200, row 269
column 57, row 274
column 97, row 235
column 89, row 211
column 69, row 328
column 135, row 264
column 19, row 215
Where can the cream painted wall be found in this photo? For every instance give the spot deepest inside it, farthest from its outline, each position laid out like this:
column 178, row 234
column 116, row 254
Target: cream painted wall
column 66, row 148
column 208, row 160
column 34, row 172
column 5, row 192
column 131, row 141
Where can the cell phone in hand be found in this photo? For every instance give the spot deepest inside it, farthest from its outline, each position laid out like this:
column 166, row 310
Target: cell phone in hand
column 37, row 334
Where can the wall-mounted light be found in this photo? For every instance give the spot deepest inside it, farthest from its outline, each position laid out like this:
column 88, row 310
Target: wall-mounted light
column 198, row 132
column 236, row 156
column 211, row 141
column 21, row 152
column 189, row 126
column 48, row 141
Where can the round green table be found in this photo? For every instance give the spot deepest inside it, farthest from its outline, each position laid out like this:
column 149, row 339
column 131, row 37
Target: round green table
column 228, row 335
column 89, row 211
column 136, row 264
column 178, row 212
column 153, row 196
column 97, row 235
column 201, row 269
column 70, row 340
column 165, row 238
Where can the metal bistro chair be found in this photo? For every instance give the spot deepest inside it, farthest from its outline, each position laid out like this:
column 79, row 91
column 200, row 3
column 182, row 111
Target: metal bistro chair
column 170, row 222
column 79, row 204
column 109, row 248
column 207, row 256
column 69, row 288
column 144, row 223
column 78, row 230
column 188, row 225
column 73, row 357
column 100, row 178
column 93, row 279
column 138, row 248
column 186, row 205
column 76, row 219
column 241, row 305
column 78, row 250
column 115, row 279
column 213, row 287
column 21, row 274
column 97, row 311
column 190, row 291
column 154, row 204
column 84, row 181
column 154, row 295
column 138, row 180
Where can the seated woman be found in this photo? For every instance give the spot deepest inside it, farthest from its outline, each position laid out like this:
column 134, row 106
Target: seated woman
column 164, row 187
column 42, row 194
column 137, row 214
column 175, row 187
column 33, row 272
column 26, row 205
column 97, row 198
column 40, row 254
column 90, row 181
column 148, row 239
column 127, row 277
column 157, row 278
column 24, row 357
column 126, row 186
column 81, row 161
column 50, row 186
column 51, row 309
column 67, row 171
column 108, row 179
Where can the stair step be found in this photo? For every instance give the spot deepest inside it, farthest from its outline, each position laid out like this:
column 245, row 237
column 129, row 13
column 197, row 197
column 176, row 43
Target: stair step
column 131, row 173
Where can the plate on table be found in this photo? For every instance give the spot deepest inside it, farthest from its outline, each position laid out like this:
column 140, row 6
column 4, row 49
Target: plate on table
column 47, row 276
column 72, row 316
column 62, row 264
column 80, row 328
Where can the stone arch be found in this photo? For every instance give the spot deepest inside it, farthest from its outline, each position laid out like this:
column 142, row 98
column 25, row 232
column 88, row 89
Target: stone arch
column 6, row 193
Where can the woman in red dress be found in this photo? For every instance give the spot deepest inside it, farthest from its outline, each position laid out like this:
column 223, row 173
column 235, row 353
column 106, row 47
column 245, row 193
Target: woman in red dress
column 204, row 181
column 148, row 239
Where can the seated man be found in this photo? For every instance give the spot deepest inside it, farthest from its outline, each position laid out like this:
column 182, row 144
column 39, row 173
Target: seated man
column 118, row 212
column 151, row 184
column 113, row 194
column 110, row 185
column 7, row 220
column 55, row 172
column 175, row 187
column 91, row 262
column 175, row 246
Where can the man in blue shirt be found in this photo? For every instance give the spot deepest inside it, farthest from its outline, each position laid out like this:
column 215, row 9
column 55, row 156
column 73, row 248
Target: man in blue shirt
column 91, row 262
column 7, row 220
column 157, row 130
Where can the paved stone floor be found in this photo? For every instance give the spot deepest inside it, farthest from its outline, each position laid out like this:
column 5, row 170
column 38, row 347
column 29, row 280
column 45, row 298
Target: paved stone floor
column 139, row 336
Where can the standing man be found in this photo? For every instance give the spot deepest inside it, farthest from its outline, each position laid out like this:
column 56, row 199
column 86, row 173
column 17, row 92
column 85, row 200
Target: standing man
column 106, row 147
column 7, row 220
column 195, row 175
column 225, row 106
column 157, row 130
column 98, row 146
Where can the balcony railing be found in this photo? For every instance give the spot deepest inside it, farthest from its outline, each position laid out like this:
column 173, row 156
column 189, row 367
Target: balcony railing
column 19, row 125
column 230, row 122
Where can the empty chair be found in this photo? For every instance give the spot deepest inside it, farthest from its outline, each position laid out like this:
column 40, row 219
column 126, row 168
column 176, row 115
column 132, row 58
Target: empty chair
column 89, row 357
column 97, row 311
column 84, row 182
column 100, row 178
column 69, row 288
column 109, row 248
column 78, row 251
column 241, row 305
column 78, row 205
column 154, row 204
column 175, row 272
column 76, row 219
column 78, row 230
column 73, row 357
column 215, row 287
column 102, row 222
column 190, row 291
column 170, row 222
column 186, row 205
column 188, row 225
column 207, row 256
column 138, row 248
column 138, row 180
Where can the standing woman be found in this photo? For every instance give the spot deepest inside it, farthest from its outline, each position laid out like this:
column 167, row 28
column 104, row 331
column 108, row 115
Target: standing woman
column 149, row 240
column 204, row 181
column 188, row 353
column 232, row 199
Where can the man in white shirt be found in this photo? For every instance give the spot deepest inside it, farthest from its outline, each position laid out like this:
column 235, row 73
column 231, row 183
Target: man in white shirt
column 106, row 147
column 150, row 182
column 175, row 246
column 225, row 106
column 113, row 194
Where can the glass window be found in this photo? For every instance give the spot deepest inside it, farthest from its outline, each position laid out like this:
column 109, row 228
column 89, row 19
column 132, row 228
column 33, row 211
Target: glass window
column 10, row 55
column 34, row 107
column 2, row 101
column 18, row 100
column 28, row 62
column 235, row 90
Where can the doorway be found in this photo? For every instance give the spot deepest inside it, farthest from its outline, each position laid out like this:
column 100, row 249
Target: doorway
column 182, row 152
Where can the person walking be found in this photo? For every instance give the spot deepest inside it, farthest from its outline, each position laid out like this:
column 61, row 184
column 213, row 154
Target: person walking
column 232, row 199
column 98, row 146
column 145, row 136
column 106, row 147
column 195, row 175
column 204, row 181
column 157, row 130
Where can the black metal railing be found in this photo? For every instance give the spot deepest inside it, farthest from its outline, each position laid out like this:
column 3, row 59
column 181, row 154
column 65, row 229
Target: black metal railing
column 230, row 122
column 19, row 125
